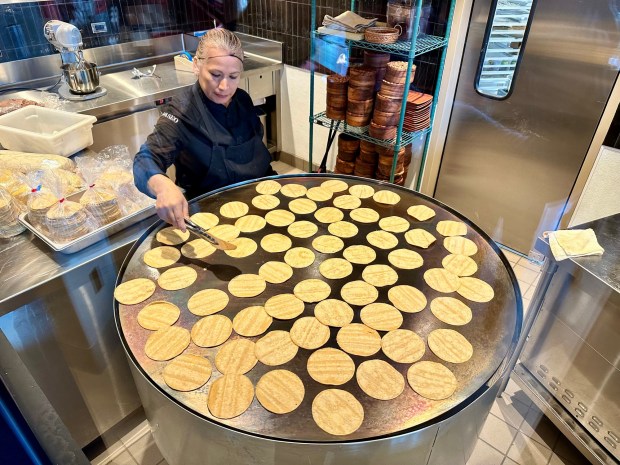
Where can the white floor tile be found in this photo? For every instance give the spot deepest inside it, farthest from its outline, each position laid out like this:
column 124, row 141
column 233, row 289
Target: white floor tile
column 529, row 264
column 523, row 286
column 283, row 168
column 484, row 454
column 530, row 292
column 525, row 274
column 145, row 451
column 136, row 434
column 498, row 433
column 526, row 451
column 124, row 458
column 111, row 452
column 511, row 256
column 509, row 410
column 514, row 391
column 538, row 427
column 508, row 461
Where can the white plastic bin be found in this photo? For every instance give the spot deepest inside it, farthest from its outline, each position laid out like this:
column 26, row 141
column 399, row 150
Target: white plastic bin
column 45, row 130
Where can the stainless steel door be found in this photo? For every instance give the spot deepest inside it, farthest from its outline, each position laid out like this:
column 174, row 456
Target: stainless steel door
column 510, row 164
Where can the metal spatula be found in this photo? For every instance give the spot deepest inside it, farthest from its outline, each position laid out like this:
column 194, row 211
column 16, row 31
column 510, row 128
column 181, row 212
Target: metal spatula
column 210, row 238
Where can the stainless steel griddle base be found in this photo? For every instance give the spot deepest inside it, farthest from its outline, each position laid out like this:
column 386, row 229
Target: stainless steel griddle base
column 408, row 420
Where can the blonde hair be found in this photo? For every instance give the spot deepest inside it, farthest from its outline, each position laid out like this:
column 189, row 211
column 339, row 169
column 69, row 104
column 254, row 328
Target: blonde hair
column 222, row 39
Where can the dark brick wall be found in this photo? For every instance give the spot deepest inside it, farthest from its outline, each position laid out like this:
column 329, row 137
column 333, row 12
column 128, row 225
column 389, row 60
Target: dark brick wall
column 287, row 21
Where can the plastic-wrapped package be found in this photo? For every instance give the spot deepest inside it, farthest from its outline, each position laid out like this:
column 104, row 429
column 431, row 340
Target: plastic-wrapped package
column 40, row 200
column 73, row 181
column 9, row 212
column 118, row 175
column 100, row 201
column 14, row 184
column 66, row 220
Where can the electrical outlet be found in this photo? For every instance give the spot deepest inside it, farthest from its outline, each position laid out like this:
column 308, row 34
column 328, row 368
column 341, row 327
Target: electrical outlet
column 98, row 28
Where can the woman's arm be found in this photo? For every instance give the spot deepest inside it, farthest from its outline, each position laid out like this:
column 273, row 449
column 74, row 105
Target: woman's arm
column 156, row 155
column 171, row 205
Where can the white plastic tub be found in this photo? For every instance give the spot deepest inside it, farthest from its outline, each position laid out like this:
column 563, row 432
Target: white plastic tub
column 45, row 130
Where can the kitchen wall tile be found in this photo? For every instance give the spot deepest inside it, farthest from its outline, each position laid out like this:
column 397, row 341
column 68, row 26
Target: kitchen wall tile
column 288, row 21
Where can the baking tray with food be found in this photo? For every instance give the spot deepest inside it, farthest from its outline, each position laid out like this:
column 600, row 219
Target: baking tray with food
column 92, row 236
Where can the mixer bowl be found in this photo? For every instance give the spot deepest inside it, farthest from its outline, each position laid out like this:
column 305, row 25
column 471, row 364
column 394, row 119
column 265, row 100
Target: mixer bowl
column 82, row 79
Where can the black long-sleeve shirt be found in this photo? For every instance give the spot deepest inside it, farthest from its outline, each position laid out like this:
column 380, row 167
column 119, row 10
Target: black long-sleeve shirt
column 180, row 137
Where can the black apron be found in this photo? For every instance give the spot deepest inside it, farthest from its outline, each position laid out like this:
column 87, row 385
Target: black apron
column 228, row 164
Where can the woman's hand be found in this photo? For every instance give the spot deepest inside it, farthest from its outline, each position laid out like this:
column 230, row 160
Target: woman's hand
column 171, row 205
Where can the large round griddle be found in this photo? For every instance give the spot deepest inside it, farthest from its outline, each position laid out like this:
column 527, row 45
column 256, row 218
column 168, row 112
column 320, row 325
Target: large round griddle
column 491, row 331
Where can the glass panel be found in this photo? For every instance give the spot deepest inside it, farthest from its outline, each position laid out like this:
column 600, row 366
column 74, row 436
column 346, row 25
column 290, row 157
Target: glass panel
column 503, row 47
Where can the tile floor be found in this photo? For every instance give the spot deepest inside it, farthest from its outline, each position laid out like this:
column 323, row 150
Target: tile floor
column 515, row 432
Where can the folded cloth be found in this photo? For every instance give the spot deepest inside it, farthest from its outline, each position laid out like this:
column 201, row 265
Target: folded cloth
column 348, row 21
column 573, row 243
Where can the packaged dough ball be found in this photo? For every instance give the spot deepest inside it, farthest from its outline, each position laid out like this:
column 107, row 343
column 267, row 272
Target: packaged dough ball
column 66, row 220
column 9, row 212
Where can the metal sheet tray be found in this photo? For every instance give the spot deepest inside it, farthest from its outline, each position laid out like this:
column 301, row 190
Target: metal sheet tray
column 93, row 236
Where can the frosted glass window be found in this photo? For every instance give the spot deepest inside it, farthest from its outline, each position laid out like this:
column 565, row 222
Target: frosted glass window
column 503, row 46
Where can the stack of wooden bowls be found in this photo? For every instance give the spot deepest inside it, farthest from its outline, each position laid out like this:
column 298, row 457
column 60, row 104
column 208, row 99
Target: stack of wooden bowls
column 348, row 150
column 389, row 101
column 360, row 95
column 384, row 165
column 337, row 96
column 379, row 61
column 366, row 163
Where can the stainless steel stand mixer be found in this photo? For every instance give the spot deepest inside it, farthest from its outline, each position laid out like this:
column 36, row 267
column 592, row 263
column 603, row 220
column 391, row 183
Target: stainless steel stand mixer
column 81, row 78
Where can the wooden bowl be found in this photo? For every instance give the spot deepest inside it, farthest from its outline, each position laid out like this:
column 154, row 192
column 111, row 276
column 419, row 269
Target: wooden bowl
column 389, row 151
column 368, row 146
column 337, row 80
column 388, row 105
column 381, row 35
column 360, row 93
column 398, row 74
column 348, row 156
column 336, row 91
column 364, row 169
column 389, row 89
column 358, row 120
column 362, row 76
column 381, row 132
column 385, row 119
column 348, row 143
column 361, row 107
column 336, row 101
column 335, row 113
column 344, row 167
column 369, row 157
column 376, row 59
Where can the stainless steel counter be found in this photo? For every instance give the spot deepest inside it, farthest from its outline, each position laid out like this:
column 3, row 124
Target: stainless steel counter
column 126, row 94
column 570, row 364
column 57, row 334
column 26, row 263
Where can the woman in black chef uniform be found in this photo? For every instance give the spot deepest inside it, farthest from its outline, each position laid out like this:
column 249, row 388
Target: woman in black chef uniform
column 211, row 133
